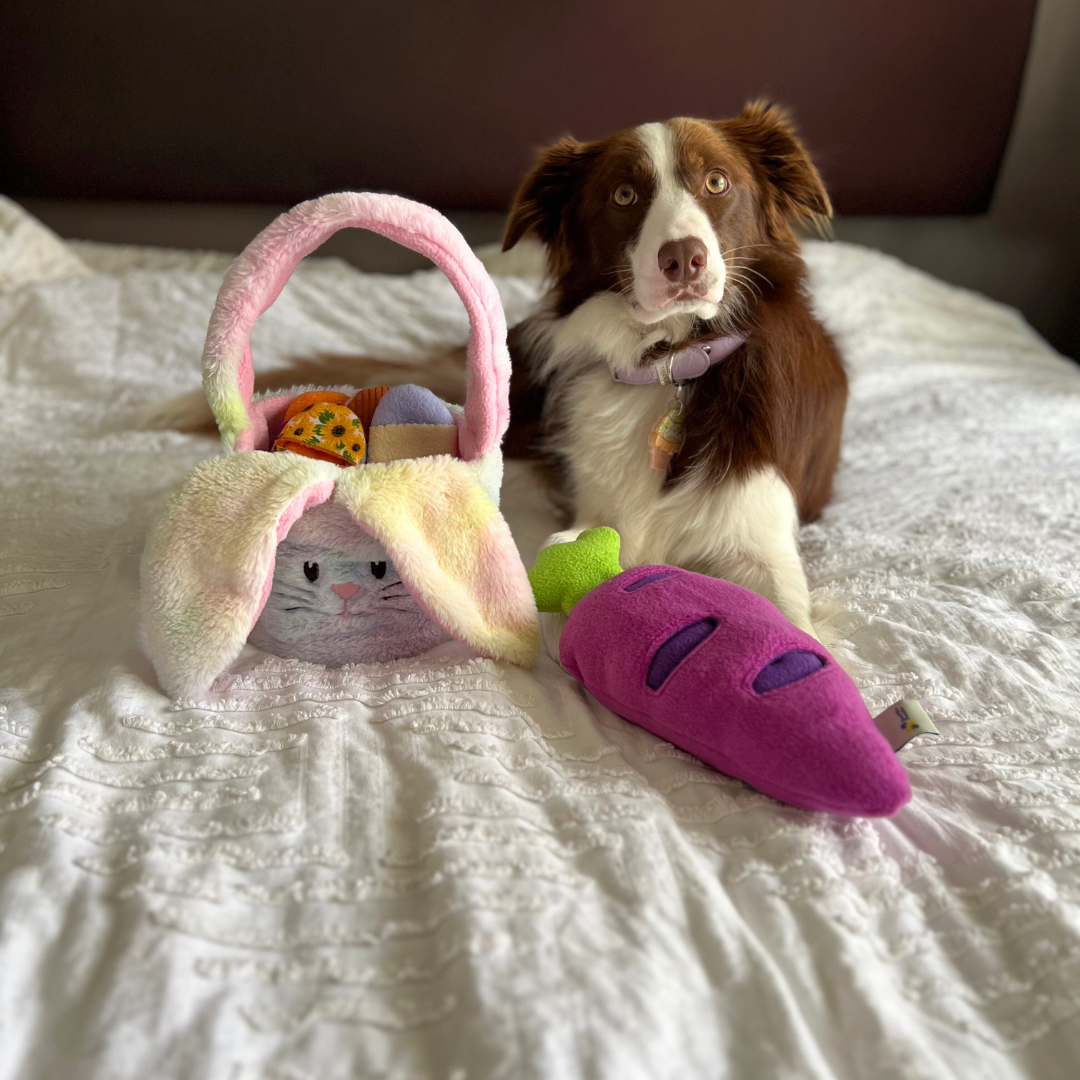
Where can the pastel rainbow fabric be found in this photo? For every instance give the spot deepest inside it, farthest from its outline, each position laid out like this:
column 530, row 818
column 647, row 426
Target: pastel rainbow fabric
column 209, row 560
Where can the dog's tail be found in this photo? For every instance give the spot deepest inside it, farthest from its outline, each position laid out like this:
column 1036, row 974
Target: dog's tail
column 443, row 375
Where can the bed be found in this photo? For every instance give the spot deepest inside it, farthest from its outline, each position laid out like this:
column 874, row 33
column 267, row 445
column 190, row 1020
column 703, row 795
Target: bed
column 453, row 869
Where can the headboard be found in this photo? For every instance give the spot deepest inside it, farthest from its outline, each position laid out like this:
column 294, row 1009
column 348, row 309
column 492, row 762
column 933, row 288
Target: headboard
column 906, row 105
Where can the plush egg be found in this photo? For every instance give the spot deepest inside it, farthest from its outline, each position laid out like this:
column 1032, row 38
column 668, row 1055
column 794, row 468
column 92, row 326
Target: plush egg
column 410, row 422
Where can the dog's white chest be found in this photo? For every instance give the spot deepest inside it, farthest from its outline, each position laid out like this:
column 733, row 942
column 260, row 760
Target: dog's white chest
column 607, row 451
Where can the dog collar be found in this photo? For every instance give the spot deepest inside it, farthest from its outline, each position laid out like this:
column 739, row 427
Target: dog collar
column 684, row 365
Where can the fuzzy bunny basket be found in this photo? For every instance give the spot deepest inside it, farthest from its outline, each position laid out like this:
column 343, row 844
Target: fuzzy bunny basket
column 412, row 486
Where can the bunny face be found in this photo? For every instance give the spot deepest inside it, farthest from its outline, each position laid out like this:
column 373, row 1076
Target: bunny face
column 335, row 607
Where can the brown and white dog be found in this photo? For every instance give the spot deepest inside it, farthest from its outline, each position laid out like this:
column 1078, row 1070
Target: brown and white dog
column 657, row 237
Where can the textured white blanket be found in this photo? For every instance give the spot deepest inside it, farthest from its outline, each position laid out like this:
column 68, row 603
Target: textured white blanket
column 463, row 871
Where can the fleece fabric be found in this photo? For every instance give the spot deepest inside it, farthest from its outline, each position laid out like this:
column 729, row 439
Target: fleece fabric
column 262, row 269
column 209, row 561
column 335, row 606
column 680, row 653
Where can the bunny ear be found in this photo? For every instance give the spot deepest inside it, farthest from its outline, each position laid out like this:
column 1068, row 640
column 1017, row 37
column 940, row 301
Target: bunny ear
column 208, row 566
column 259, row 274
column 452, row 549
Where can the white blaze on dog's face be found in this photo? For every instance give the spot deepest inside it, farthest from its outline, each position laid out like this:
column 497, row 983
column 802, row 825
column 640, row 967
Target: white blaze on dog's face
column 676, row 259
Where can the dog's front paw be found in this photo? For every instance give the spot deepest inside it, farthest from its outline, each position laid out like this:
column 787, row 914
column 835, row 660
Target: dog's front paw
column 566, row 536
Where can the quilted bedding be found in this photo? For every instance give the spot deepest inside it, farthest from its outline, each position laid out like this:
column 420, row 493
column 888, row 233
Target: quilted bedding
column 451, row 869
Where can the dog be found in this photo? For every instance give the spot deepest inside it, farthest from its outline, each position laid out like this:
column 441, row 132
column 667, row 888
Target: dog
column 662, row 238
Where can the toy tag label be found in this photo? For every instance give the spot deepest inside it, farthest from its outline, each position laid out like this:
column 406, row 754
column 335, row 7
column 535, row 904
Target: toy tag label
column 900, row 723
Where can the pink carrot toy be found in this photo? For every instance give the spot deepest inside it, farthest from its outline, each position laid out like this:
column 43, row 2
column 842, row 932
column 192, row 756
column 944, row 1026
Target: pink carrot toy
column 717, row 670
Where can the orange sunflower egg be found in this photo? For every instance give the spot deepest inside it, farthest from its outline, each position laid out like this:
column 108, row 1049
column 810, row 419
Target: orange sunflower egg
column 323, row 429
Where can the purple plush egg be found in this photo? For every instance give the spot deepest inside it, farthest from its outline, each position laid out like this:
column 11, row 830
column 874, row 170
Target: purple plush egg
column 717, row 670
column 410, row 421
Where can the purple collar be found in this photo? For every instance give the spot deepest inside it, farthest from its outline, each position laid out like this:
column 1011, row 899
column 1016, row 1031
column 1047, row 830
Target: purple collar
column 684, row 365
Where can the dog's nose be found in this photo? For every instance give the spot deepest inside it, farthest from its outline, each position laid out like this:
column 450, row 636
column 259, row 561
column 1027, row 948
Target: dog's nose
column 683, row 260
column 345, row 591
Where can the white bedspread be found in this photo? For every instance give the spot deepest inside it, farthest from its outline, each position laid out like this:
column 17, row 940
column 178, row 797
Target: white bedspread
column 464, row 871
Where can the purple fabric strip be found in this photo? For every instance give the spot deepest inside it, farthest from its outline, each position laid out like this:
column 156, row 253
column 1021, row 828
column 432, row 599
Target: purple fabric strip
column 676, row 649
column 643, row 581
column 686, row 364
column 785, row 669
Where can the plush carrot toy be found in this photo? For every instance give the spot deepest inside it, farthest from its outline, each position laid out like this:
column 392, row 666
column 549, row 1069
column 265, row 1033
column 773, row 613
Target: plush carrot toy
column 717, row 670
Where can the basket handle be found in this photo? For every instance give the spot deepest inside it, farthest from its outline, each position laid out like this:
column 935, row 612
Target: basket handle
column 255, row 279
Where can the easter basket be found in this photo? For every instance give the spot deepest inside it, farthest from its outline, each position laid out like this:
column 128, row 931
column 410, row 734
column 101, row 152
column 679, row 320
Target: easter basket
column 336, row 527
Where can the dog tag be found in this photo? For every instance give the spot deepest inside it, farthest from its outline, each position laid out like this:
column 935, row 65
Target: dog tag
column 667, row 437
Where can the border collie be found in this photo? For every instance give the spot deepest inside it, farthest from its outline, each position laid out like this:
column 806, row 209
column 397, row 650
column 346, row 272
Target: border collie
column 673, row 260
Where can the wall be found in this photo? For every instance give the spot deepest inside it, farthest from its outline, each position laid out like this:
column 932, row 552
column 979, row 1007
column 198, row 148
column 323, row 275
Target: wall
column 1026, row 250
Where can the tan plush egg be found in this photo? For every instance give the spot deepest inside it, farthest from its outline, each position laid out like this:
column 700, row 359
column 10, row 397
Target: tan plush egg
column 411, row 422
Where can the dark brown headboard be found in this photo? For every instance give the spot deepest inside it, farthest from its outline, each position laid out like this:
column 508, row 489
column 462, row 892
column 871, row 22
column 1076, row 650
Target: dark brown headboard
column 906, row 104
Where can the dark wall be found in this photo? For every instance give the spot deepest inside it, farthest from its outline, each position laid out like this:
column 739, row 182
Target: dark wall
column 907, row 105
column 1026, row 250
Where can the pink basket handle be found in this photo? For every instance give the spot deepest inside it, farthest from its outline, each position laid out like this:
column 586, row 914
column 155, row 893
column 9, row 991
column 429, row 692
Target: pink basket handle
column 259, row 274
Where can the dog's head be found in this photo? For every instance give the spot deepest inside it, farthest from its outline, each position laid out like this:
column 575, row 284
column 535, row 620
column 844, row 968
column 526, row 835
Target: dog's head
column 669, row 216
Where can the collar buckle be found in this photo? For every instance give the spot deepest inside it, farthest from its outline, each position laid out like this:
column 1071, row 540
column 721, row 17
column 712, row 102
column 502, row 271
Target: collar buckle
column 665, row 371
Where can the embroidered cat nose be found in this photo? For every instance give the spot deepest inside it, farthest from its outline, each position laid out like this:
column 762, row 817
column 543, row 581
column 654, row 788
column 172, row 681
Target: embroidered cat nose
column 345, row 591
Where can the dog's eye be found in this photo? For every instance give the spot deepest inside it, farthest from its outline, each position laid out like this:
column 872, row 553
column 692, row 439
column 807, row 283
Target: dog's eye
column 716, row 183
column 624, row 195
column 378, row 570
column 311, row 571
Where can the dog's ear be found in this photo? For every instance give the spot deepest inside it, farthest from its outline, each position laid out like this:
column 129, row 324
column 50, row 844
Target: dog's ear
column 545, row 192
column 792, row 187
